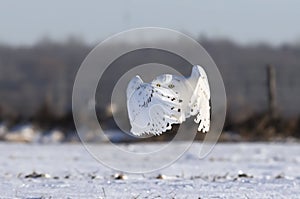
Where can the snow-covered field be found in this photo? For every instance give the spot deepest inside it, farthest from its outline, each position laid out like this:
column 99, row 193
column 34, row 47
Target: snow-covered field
column 244, row 170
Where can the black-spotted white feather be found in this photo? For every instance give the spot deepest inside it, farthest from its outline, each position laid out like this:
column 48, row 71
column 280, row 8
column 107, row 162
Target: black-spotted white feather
column 169, row 99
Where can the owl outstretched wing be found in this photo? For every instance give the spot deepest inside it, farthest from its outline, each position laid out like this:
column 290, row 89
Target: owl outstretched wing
column 200, row 101
column 152, row 109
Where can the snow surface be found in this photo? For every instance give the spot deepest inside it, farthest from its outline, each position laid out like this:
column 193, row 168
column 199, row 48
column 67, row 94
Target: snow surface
column 243, row 170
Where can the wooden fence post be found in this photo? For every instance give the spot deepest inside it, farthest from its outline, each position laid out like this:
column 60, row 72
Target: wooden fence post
column 271, row 85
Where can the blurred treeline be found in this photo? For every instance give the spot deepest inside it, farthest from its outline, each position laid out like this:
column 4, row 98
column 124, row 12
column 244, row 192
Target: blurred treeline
column 36, row 85
column 36, row 81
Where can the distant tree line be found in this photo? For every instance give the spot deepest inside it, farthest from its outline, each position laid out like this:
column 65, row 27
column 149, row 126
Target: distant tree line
column 36, row 82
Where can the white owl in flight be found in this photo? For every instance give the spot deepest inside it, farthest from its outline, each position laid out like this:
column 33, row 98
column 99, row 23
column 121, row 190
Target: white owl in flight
column 169, row 99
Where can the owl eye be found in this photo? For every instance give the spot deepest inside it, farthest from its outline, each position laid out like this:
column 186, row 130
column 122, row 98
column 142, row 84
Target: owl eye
column 158, row 85
column 171, row 86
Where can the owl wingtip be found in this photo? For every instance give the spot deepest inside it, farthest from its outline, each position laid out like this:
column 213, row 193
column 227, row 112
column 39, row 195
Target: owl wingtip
column 198, row 68
column 138, row 77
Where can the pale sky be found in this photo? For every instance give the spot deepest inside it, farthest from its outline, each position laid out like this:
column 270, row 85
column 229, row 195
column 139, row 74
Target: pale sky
column 244, row 21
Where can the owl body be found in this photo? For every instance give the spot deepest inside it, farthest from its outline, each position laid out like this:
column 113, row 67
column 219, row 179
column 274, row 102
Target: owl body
column 169, row 99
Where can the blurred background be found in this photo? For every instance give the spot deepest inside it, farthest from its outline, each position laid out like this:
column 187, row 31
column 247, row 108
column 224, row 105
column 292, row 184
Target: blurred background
column 255, row 44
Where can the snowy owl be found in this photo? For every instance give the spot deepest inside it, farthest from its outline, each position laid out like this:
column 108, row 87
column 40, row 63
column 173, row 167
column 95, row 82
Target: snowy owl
column 169, row 99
